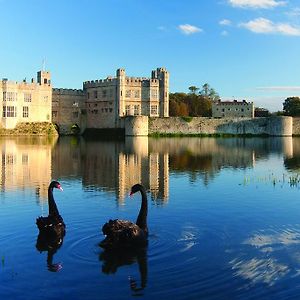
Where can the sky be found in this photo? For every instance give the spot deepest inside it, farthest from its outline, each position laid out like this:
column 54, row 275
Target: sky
column 244, row 49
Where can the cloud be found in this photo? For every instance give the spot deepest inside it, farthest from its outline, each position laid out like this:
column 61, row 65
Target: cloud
column 256, row 4
column 224, row 33
column 279, row 88
column 294, row 12
column 162, row 28
column 265, row 26
column 225, row 22
column 189, row 29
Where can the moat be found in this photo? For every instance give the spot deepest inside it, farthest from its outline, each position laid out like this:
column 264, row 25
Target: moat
column 223, row 217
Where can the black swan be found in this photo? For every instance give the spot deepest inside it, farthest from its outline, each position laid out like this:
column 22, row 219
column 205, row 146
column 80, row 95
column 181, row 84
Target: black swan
column 53, row 225
column 121, row 233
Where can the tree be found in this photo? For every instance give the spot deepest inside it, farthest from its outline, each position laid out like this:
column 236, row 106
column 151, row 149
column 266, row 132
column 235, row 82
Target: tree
column 193, row 89
column 291, row 106
column 209, row 92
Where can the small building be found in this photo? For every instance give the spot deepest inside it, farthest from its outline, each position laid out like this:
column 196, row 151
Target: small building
column 25, row 102
column 232, row 109
column 261, row 112
column 68, row 109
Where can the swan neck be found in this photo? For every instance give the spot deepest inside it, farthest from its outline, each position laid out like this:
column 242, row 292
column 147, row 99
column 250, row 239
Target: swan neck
column 53, row 211
column 142, row 217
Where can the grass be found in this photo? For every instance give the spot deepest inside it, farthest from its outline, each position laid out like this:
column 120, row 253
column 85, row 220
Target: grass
column 292, row 180
column 181, row 134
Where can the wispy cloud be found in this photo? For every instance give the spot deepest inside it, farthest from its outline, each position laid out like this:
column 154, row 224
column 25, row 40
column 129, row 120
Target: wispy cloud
column 162, row 28
column 224, row 33
column 279, row 88
column 225, row 22
column 266, row 26
column 189, row 29
column 295, row 12
column 256, row 4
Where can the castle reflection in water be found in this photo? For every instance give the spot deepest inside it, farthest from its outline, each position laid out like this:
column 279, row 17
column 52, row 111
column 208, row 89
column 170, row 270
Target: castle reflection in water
column 114, row 166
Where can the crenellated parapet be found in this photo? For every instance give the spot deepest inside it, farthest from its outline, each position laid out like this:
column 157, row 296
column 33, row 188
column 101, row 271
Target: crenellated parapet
column 70, row 92
column 99, row 82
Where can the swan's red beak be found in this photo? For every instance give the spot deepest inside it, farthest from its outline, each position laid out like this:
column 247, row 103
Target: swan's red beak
column 60, row 188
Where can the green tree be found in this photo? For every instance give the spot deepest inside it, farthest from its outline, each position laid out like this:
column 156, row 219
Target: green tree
column 209, row 92
column 291, row 106
column 193, row 89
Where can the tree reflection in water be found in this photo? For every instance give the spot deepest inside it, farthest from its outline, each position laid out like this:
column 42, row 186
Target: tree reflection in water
column 116, row 258
column 50, row 244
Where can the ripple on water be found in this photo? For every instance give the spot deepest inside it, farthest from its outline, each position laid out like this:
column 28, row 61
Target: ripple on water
column 84, row 250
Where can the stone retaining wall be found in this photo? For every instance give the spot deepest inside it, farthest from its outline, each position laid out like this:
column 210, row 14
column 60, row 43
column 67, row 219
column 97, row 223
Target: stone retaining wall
column 274, row 126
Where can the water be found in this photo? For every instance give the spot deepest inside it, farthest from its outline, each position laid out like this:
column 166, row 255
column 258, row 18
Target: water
column 224, row 218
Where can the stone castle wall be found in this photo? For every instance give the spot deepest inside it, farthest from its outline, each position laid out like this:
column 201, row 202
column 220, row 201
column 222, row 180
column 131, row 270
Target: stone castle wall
column 274, row 126
column 296, row 126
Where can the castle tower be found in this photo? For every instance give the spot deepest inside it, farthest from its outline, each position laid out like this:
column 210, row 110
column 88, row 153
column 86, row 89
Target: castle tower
column 163, row 76
column 120, row 101
column 44, row 77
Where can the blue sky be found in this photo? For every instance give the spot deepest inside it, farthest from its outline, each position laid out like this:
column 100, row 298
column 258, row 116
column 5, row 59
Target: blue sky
column 245, row 49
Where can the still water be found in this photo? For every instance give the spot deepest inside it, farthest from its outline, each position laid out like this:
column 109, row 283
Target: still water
column 224, row 218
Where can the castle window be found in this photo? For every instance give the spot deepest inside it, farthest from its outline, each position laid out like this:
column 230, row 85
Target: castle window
column 154, row 110
column 27, row 97
column 25, row 112
column 9, row 96
column 128, row 94
column 104, row 93
column 153, row 94
column 111, row 93
column 137, row 94
column 54, row 114
column 95, row 94
column 88, row 95
column 110, row 110
column 136, row 110
column 242, row 109
column 9, row 111
column 127, row 110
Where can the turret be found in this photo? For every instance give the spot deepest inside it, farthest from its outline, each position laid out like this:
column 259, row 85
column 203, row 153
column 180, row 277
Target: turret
column 44, row 77
column 163, row 76
column 120, row 103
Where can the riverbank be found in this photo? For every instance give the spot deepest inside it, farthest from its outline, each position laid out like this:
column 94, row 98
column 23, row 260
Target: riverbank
column 36, row 128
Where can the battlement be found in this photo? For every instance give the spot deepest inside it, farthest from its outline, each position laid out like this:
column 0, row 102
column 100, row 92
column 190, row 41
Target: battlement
column 19, row 84
column 71, row 92
column 99, row 82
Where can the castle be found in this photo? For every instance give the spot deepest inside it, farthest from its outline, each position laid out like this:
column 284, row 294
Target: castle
column 25, row 102
column 101, row 104
column 105, row 103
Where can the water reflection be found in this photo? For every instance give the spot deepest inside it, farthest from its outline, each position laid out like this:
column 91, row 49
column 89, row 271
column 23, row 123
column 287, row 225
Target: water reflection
column 269, row 256
column 114, row 166
column 114, row 259
column 26, row 162
column 50, row 244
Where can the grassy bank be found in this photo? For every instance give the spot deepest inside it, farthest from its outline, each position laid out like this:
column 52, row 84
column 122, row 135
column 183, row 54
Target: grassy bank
column 42, row 128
